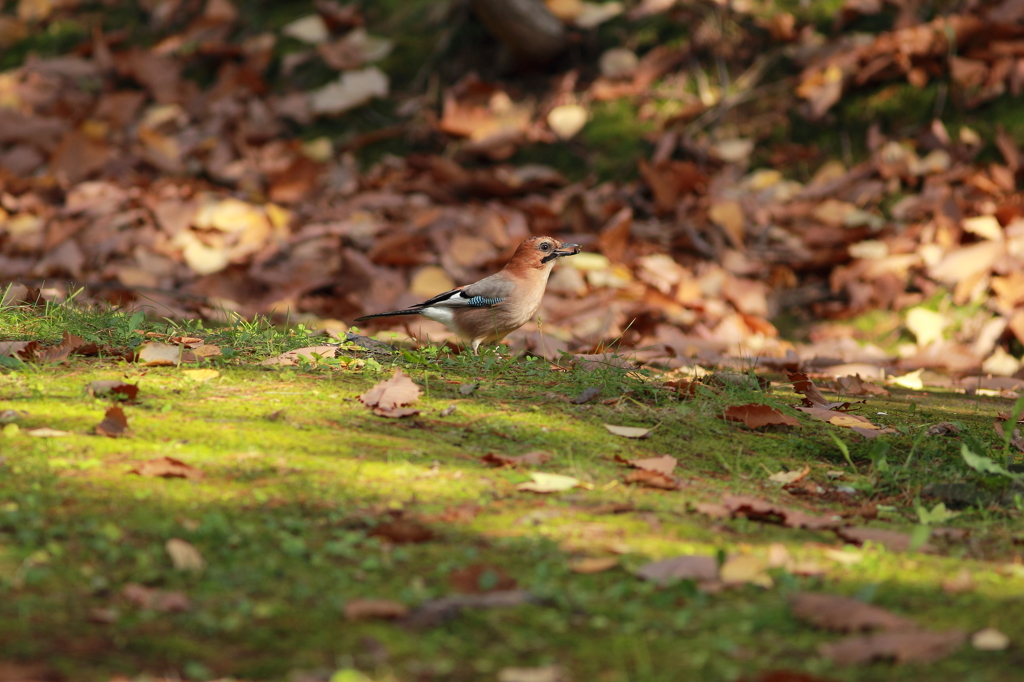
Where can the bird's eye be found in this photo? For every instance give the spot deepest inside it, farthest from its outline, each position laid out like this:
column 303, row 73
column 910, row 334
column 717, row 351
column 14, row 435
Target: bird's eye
column 546, row 246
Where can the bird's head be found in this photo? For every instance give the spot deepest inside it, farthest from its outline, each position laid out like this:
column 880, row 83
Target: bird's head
column 541, row 252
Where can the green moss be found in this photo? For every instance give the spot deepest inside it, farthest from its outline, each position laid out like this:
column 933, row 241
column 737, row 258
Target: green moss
column 614, row 138
column 298, row 474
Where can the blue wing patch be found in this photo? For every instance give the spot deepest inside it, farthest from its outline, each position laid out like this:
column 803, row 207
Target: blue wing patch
column 481, row 302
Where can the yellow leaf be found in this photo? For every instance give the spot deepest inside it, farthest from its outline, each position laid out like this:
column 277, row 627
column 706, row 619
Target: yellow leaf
column 430, row 281
column 911, row 380
column 200, row 375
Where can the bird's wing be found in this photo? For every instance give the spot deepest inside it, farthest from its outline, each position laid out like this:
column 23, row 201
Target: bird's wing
column 488, row 292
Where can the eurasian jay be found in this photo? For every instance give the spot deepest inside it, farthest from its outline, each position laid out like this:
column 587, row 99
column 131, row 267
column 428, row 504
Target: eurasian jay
column 488, row 310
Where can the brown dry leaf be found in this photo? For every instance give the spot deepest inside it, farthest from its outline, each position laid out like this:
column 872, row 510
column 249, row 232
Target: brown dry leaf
column 480, row 578
column 311, row 353
column 761, row 510
column 114, row 423
column 844, row 419
column 113, row 388
column 376, row 609
column 653, row 479
column 805, row 387
column 789, row 477
column 687, row 567
column 989, row 639
column 47, row 432
column 596, row 564
column 388, row 397
column 401, row 531
column 184, row 555
column 206, row 351
column 156, row 354
column 756, row 415
column 167, row 467
column 963, row 581
column 156, row 600
column 59, row 353
column 664, row 464
column 534, row 458
column 890, row 539
column 854, row 385
column 843, row 614
column 943, row 429
column 24, row 349
column 486, row 115
column 745, row 569
column 436, row 611
column 916, row 646
column 628, row 431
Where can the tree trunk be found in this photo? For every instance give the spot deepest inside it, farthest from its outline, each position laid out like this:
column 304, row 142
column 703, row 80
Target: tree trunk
column 526, row 27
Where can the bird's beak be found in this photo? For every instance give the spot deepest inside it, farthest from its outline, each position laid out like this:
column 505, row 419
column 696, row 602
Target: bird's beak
column 567, row 250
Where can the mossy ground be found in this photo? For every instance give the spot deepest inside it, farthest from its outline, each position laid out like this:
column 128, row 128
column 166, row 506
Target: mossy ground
column 298, row 473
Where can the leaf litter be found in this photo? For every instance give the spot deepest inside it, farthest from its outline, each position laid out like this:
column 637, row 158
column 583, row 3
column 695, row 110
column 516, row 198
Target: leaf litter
column 389, row 398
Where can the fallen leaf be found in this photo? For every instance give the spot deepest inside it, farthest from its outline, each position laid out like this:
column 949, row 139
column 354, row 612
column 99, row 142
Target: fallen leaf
column 387, row 397
column 653, row 479
column 184, row 555
column 310, row 353
column 911, row 380
column 548, row 483
column 544, row 673
column 687, row 567
column 664, row 464
column 352, row 89
column 311, row 29
column 480, row 578
column 375, row 609
column 113, row 388
column 843, row 614
column 761, row 510
column 926, row 325
column 435, row 611
column 154, row 599
column 534, row 458
column 903, row 647
column 11, row 416
column 567, row 119
column 596, row 564
column 167, row 467
column 989, row 639
column 942, row 428
column 756, row 415
column 200, row 376
column 963, row 581
column 47, row 432
column 467, row 389
column 59, row 353
column 745, row 568
column 787, row 477
column 401, row 531
column 628, row 431
column 805, row 387
column 98, row 615
column 114, row 423
column 156, row 354
column 890, row 539
column 854, row 385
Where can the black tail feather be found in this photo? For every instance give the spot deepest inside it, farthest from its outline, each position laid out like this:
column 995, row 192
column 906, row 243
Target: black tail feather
column 393, row 313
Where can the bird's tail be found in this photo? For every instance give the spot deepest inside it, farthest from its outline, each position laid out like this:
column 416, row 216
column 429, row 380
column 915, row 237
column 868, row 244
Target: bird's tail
column 407, row 311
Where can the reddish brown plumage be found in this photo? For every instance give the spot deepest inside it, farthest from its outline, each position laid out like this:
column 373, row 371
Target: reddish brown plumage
column 488, row 310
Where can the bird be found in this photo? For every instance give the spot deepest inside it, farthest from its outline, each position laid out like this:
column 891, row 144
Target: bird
column 490, row 309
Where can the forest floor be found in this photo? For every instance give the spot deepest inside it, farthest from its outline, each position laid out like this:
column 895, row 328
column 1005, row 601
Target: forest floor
column 244, row 520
